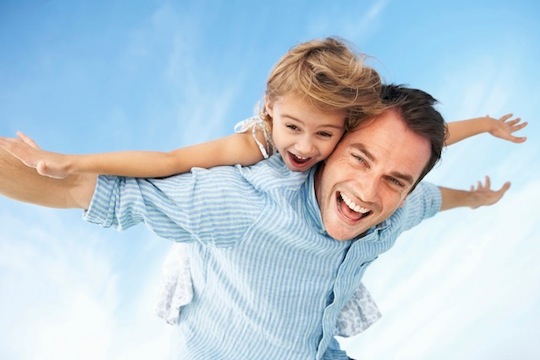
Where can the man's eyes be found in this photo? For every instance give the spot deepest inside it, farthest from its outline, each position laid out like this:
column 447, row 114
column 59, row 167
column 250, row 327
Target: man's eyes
column 396, row 182
column 359, row 158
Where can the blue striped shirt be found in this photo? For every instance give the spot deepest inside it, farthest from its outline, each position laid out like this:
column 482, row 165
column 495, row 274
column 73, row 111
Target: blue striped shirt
column 268, row 281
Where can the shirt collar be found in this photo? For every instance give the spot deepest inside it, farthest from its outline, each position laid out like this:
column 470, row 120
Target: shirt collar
column 314, row 212
column 312, row 207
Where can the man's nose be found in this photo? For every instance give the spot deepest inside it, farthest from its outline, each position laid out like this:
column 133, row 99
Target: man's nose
column 369, row 188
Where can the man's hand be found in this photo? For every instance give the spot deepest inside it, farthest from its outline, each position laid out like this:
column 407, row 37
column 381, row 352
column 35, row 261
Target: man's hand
column 21, row 182
column 483, row 194
column 46, row 163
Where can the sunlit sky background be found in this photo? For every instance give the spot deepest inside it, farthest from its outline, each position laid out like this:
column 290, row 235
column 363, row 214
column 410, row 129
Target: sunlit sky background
column 109, row 75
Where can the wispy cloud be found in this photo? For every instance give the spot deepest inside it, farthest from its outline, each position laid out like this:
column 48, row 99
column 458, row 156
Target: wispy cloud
column 193, row 87
column 457, row 274
column 51, row 285
column 61, row 293
column 358, row 24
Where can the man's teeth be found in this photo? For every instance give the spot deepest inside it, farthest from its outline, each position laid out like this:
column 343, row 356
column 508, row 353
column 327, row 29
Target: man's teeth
column 352, row 205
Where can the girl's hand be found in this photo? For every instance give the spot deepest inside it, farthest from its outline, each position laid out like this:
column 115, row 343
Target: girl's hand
column 503, row 128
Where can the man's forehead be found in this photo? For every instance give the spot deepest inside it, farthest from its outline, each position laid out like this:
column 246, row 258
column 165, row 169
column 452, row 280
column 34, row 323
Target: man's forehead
column 387, row 123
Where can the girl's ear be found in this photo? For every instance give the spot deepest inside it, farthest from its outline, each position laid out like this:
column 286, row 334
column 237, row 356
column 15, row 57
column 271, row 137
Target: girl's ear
column 268, row 107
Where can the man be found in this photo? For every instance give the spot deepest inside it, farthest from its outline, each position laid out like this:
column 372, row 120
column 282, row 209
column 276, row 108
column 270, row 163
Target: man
column 276, row 255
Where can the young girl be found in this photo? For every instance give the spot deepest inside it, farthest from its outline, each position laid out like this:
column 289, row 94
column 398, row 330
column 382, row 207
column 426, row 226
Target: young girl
column 326, row 73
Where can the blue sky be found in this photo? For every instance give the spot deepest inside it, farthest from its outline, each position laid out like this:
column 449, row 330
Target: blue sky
column 98, row 76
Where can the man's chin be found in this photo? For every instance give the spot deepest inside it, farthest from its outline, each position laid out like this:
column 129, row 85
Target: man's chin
column 340, row 235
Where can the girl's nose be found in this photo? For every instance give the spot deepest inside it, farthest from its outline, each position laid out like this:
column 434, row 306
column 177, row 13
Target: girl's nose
column 304, row 146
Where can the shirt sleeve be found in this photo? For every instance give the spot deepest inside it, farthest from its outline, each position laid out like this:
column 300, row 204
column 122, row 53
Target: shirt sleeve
column 424, row 202
column 334, row 352
column 210, row 206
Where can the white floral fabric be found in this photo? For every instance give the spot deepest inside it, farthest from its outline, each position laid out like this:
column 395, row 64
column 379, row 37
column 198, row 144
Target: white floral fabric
column 176, row 288
column 257, row 124
column 358, row 314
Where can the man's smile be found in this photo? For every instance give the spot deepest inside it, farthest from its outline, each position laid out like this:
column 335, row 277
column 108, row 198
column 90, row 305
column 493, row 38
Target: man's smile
column 350, row 209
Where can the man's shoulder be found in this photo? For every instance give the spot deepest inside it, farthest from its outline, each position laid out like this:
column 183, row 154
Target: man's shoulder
column 424, row 202
column 271, row 174
column 266, row 175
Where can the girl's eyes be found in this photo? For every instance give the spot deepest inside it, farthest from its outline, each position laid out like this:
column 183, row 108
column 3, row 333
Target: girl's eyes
column 320, row 134
column 292, row 127
column 324, row 134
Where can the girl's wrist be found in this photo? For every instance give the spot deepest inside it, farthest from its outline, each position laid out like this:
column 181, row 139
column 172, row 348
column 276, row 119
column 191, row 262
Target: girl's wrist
column 488, row 123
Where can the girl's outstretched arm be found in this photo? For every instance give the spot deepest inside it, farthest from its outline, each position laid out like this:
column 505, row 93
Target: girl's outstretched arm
column 239, row 148
column 503, row 128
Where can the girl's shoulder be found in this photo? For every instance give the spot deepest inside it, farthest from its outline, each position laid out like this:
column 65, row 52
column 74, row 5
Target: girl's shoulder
column 258, row 127
column 254, row 122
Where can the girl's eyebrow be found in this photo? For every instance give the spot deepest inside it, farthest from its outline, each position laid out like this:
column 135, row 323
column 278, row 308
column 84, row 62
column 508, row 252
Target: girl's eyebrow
column 332, row 126
column 290, row 117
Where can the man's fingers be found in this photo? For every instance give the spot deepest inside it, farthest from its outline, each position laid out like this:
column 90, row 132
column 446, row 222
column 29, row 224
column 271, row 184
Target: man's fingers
column 506, row 117
column 27, row 140
column 519, row 126
column 506, row 186
column 488, row 182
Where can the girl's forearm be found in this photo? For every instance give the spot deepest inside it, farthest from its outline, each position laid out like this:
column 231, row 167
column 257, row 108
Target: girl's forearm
column 460, row 130
column 234, row 149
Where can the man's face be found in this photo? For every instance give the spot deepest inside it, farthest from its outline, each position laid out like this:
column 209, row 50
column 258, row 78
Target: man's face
column 369, row 175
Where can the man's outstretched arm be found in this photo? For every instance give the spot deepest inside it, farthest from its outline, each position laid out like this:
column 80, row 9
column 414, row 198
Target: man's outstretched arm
column 481, row 195
column 22, row 183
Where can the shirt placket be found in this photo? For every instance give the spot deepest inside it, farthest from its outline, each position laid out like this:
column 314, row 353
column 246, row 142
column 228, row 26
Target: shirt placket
column 351, row 270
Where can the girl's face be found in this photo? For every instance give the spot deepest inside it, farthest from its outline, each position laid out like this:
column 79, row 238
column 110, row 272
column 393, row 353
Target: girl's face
column 302, row 133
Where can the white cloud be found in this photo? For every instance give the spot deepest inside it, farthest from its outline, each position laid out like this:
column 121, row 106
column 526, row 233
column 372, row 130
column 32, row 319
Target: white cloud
column 57, row 294
column 363, row 22
column 459, row 275
column 61, row 290
column 374, row 11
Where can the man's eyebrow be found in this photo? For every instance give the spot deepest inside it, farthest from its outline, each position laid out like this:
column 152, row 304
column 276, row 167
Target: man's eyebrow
column 398, row 175
column 364, row 151
column 404, row 177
